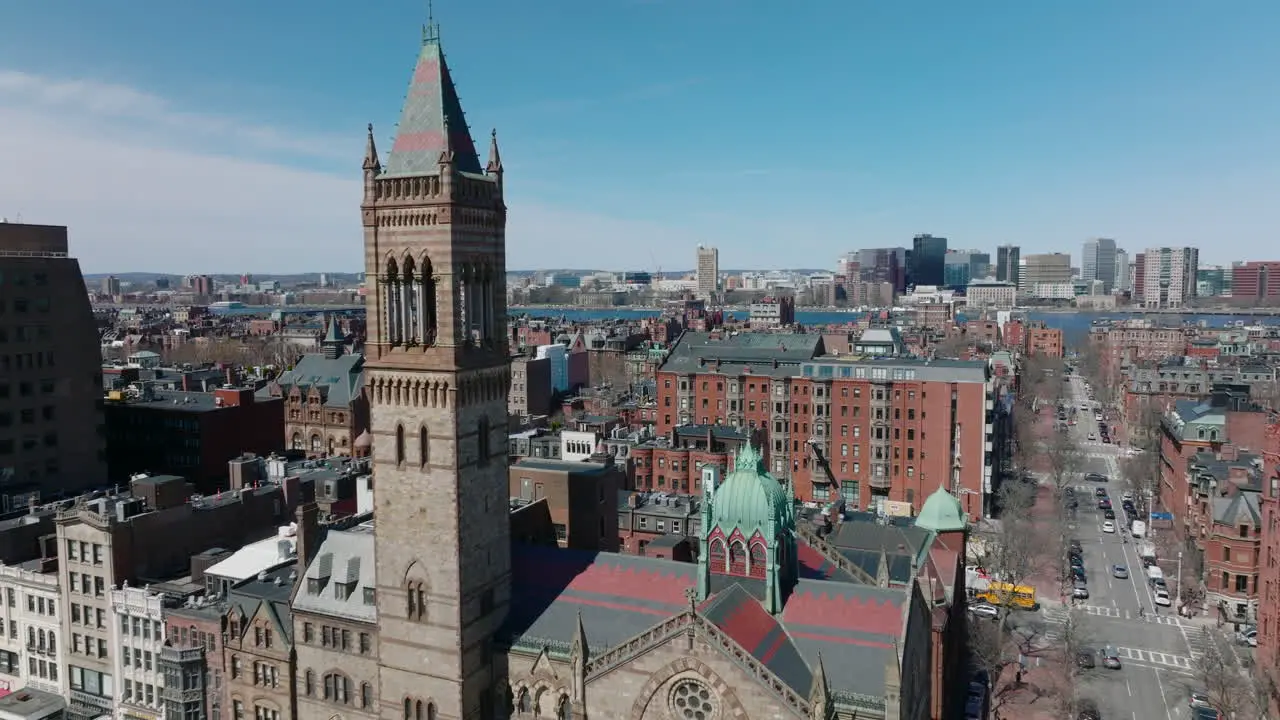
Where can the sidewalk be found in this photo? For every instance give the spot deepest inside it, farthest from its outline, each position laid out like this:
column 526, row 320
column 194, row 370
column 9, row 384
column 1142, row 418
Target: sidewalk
column 1034, row 699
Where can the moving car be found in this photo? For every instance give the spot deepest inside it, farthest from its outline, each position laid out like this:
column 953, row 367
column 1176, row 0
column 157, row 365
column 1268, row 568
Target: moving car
column 1111, row 658
column 1109, row 514
column 985, row 610
column 1121, row 572
column 1162, row 597
column 1247, row 635
column 1108, row 526
column 1093, row 436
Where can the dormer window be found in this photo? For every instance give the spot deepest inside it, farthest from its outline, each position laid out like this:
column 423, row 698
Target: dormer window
column 313, row 586
column 342, row 591
column 370, row 596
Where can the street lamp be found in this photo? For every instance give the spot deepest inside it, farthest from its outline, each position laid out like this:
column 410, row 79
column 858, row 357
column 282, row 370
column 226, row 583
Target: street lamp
column 1177, row 589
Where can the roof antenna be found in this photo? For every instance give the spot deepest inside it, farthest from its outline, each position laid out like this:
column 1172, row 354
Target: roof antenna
column 430, row 31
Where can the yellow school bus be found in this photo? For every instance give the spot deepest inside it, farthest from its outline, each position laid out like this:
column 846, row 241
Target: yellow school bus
column 1022, row 596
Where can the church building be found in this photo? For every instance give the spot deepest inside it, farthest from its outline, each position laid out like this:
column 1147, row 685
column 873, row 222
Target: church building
column 772, row 621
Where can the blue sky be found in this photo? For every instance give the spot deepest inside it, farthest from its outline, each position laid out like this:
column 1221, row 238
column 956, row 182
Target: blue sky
column 222, row 137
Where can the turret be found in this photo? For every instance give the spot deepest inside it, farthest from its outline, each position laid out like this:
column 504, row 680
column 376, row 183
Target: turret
column 819, row 693
column 372, row 167
column 578, row 657
column 494, row 168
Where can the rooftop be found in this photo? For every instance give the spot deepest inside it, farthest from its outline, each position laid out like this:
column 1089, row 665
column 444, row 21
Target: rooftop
column 340, row 580
column 267, row 554
column 773, row 355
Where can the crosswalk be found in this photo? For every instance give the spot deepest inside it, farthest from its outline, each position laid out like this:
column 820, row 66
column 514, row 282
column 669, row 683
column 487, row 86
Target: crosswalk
column 1059, row 614
column 1198, row 640
column 1155, row 657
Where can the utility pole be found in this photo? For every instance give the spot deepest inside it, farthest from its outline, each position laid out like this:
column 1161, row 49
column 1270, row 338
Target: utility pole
column 1177, row 603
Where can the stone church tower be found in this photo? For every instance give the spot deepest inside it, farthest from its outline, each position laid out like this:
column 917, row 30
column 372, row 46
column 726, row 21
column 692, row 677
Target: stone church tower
column 437, row 370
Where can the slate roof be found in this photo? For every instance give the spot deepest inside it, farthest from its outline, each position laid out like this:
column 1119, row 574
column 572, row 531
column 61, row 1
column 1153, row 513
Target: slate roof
column 618, row 596
column 853, row 627
column 431, row 120
column 815, row 566
column 1238, row 508
column 269, row 591
column 754, row 352
column 340, row 379
column 741, row 616
column 344, row 557
column 893, row 538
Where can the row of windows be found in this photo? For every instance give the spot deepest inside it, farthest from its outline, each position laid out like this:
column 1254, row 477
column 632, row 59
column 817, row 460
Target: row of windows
column 338, row 688
column 24, row 333
column 26, row 305
column 27, row 388
column 337, row 638
column 26, row 361
column 21, row 278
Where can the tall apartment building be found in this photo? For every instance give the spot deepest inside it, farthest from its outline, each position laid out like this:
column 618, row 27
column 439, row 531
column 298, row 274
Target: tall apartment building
column 878, row 423
column 1124, row 280
column 1008, row 263
column 51, row 429
column 1166, row 277
column 1098, row 262
column 927, row 261
column 708, row 271
column 1044, row 269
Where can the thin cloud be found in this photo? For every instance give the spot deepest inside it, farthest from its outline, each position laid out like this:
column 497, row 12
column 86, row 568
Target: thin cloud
column 122, row 104
column 138, row 196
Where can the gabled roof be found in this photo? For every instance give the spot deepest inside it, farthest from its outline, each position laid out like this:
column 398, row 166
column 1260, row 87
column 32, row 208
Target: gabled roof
column 431, row 121
column 741, row 616
column 339, row 379
column 1240, row 508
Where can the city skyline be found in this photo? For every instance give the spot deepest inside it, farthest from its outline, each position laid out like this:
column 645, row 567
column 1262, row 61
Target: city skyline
column 169, row 150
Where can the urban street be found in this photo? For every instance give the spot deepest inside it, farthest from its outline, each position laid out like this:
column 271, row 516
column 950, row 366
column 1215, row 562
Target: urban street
column 1158, row 651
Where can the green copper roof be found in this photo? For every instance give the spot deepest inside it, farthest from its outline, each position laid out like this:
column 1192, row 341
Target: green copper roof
column 431, row 121
column 750, row 499
column 942, row 513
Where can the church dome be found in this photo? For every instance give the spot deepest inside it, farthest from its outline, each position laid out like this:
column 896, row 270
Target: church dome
column 942, row 513
column 750, row 499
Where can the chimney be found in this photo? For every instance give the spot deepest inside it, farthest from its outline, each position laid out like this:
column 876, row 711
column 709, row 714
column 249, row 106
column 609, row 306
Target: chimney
column 308, row 536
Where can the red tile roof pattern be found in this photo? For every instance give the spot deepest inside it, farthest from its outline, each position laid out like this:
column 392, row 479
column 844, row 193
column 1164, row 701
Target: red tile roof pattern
column 827, row 638
column 845, row 611
column 605, row 578
column 813, row 564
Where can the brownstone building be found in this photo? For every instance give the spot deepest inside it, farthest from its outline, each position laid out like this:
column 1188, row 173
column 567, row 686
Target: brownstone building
column 258, row 649
column 531, row 390
column 581, row 497
column 325, row 404
column 674, row 463
column 51, row 426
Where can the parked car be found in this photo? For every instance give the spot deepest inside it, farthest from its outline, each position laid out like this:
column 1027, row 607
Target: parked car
column 1247, row 635
column 1108, row 526
column 1111, row 658
column 1080, row 591
column 1120, row 572
column 1162, row 597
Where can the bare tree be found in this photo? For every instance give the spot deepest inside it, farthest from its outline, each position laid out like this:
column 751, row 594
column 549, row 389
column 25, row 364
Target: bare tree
column 1232, row 689
column 1140, row 473
column 1063, row 461
column 1070, row 642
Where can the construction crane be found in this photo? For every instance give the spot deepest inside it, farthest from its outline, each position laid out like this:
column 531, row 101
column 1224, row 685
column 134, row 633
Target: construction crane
column 834, row 499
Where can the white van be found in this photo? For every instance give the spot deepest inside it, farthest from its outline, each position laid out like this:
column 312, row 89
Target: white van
column 1155, row 573
column 1139, row 529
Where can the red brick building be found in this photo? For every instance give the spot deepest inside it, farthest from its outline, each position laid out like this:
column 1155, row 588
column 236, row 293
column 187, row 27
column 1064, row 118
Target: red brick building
column 1232, row 552
column 890, row 428
column 1043, row 341
column 1255, row 281
column 674, row 463
column 1268, row 657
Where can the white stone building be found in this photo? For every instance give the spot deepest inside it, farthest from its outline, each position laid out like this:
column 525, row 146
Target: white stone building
column 137, row 635
column 30, row 648
column 991, row 293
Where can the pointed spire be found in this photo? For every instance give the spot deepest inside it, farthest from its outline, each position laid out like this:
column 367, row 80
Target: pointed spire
column 579, row 647
column 371, row 153
column 431, row 122
column 819, row 692
column 495, row 159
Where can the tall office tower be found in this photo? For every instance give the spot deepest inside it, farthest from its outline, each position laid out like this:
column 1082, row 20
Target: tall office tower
column 1045, row 268
column 960, row 267
column 51, row 434
column 1168, row 276
column 926, row 265
column 1098, row 262
column 1008, row 263
column 1123, row 283
column 708, row 271
column 884, row 265
column 437, row 371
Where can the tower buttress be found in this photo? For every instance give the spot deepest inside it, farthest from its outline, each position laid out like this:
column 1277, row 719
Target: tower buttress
column 437, row 373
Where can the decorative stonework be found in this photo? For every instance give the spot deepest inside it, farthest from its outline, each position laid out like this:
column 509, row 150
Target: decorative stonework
column 685, row 681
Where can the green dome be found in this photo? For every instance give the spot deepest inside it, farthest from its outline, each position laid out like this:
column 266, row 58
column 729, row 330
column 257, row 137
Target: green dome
column 942, row 513
column 750, row 498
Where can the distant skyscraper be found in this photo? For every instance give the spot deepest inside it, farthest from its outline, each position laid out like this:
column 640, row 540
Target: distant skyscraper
column 1122, row 283
column 1166, row 276
column 1098, row 262
column 927, row 261
column 960, row 267
column 111, row 285
column 1008, row 263
column 708, row 271
column 884, row 265
column 1045, row 269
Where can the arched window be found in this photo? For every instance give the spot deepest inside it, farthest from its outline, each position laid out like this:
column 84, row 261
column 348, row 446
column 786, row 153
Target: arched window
column 525, row 704
column 429, row 303
column 431, row 711
column 424, row 447
column 337, row 688
column 408, row 709
column 417, row 710
column 316, row 443
column 717, row 555
column 309, row 683
column 366, row 695
column 758, row 561
column 482, row 442
column 562, row 708
column 296, row 442
column 399, row 445
column 738, row 558
column 333, row 446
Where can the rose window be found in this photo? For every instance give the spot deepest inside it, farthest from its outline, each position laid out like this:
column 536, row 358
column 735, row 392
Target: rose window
column 691, row 700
